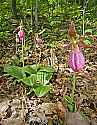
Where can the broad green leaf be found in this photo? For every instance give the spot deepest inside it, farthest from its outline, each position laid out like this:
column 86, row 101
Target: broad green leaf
column 47, row 69
column 43, row 73
column 14, row 71
column 38, row 79
column 44, row 77
column 35, row 79
column 30, row 69
column 47, row 72
column 29, row 81
column 41, row 78
column 42, row 90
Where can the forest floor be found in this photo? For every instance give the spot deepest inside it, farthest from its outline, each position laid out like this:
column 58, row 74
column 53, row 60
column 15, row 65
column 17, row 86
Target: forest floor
column 16, row 107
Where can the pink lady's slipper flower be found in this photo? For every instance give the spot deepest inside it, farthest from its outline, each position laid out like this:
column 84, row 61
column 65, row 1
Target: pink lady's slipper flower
column 21, row 35
column 76, row 60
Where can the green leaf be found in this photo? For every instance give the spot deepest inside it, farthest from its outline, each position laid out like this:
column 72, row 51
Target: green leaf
column 43, row 73
column 68, row 99
column 47, row 69
column 70, row 103
column 35, row 79
column 38, row 79
column 41, row 77
column 71, row 108
column 14, row 71
column 30, row 69
column 33, row 69
column 44, row 76
column 42, row 90
column 29, row 81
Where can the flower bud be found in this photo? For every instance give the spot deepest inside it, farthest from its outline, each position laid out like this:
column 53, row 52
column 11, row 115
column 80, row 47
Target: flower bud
column 21, row 35
column 76, row 60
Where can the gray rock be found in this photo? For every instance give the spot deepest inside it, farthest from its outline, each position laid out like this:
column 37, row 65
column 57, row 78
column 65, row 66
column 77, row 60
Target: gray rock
column 75, row 119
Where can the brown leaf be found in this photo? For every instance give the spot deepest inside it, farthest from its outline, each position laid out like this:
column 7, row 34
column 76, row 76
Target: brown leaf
column 61, row 110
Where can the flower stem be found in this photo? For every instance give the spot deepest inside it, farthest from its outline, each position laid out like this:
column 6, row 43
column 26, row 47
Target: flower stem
column 22, row 53
column 73, row 86
column 16, row 43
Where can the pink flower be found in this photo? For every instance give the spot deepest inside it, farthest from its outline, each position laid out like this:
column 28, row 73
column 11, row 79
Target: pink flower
column 21, row 35
column 76, row 60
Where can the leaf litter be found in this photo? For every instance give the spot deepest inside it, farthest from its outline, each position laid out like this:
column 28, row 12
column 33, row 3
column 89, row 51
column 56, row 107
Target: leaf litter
column 51, row 108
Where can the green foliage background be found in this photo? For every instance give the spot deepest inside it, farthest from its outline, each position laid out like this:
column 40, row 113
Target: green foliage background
column 51, row 15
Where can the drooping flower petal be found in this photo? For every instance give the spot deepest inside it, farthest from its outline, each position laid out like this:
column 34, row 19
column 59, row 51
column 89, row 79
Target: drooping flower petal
column 76, row 60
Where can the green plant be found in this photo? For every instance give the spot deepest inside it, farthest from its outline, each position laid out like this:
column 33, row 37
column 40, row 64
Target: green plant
column 36, row 76
column 69, row 100
column 76, row 62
